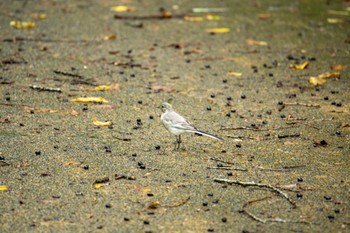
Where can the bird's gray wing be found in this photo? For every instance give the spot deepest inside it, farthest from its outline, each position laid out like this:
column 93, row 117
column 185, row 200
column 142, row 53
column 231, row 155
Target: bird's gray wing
column 179, row 122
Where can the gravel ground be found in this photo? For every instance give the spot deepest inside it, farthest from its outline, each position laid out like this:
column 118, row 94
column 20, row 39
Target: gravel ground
column 240, row 71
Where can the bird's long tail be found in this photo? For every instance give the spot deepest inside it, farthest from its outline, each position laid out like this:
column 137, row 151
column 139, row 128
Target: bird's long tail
column 208, row 135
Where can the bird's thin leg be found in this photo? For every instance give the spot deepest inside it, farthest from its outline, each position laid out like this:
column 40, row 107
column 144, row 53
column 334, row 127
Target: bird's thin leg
column 178, row 142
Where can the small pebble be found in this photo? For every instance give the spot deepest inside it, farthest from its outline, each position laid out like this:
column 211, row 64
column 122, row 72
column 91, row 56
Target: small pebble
column 108, row 206
column 37, row 152
column 86, row 167
column 146, row 222
column 328, row 198
column 224, row 219
column 243, row 96
column 300, row 179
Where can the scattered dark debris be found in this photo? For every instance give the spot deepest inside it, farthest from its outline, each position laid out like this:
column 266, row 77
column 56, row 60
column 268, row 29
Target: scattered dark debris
column 101, row 180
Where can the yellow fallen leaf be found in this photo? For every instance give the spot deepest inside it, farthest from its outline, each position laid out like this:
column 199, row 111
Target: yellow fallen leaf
column 232, row 73
column 317, row 81
column 90, row 100
column 335, row 12
column 337, row 67
column 213, row 17
column 153, row 205
column 255, row 42
column 264, row 16
column 193, row 18
column 98, row 185
column 22, row 24
column 110, row 37
column 38, row 16
column 329, row 75
column 335, row 20
column 102, row 88
column 4, row 188
column 321, row 79
column 300, row 67
column 101, row 123
column 122, row 9
column 217, row 30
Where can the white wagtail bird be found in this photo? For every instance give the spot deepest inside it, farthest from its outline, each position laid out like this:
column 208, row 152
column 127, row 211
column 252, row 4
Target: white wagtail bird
column 177, row 124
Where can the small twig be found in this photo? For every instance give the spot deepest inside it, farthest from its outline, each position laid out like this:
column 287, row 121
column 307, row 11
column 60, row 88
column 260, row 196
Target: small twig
column 257, row 129
column 284, row 169
column 17, row 39
column 39, row 88
column 220, row 160
column 67, row 74
column 229, row 168
column 249, row 183
column 297, row 104
column 256, row 218
column 177, row 204
column 288, row 136
column 122, row 139
column 250, row 138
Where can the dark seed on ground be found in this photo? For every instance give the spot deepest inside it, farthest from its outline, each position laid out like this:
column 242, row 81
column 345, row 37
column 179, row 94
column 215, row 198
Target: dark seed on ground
column 86, row 167
column 126, row 219
column 224, row 219
column 326, row 98
column 210, row 229
column 108, row 206
column 38, row 152
column 157, row 147
column 205, row 203
column 300, row 179
column 209, row 108
column 146, row 222
column 328, row 198
column 299, row 195
column 238, row 145
column 243, row 96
